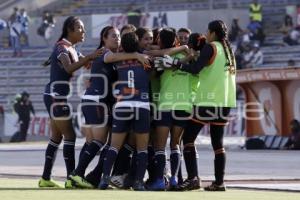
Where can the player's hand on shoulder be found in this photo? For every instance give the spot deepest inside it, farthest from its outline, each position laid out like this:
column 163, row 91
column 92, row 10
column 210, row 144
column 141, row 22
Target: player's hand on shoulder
column 97, row 53
column 144, row 59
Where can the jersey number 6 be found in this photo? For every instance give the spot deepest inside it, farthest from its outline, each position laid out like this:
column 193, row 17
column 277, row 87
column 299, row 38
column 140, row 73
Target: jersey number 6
column 131, row 79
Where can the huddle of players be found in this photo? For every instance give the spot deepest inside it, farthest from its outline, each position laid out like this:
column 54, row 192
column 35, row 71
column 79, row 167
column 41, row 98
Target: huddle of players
column 144, row 103
column 132, row 110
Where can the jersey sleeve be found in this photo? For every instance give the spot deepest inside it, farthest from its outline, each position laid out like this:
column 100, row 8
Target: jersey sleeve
column 60, row 50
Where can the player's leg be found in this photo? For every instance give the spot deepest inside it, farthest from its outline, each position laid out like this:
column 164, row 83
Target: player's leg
column 50, row 156
column 86, row 130
column 94, row 116
column 141, row 129
column 180, row 119
column 121, row 124
column 160, row 139
column 190, row 156
column 217, row 135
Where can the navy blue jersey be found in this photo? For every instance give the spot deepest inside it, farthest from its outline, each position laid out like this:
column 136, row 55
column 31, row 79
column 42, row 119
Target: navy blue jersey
column 133, row 81
column 98, row 85
column 57, row 71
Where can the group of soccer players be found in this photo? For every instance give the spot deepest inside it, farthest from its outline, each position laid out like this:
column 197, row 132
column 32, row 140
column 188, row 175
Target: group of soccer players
column 145, row 85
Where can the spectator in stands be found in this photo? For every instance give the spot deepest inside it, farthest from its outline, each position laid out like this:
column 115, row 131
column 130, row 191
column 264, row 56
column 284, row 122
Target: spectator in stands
column 292, row 38
column 15, row 36
column 239, row 58
column 235, row 30
column 294, row 139
column 45, row 30
column 134, row 16
column 254, row 58
column 288, row 25
column 23, row 107
column 256, row 32
column 183, row 35
column 15, row 16
column 255, row 11
column 24, row 19
column 3, row 24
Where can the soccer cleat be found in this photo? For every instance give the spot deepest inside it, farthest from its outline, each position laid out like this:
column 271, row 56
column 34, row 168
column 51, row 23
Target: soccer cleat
column 173, row 185
column 118, row 181
column 81, row 182
column 92, row 180
column 190, row 184
column 158, row 185
column 138, row 186
column 48, row 184
column 104, row 183
column 69, row 184
column 214, row 187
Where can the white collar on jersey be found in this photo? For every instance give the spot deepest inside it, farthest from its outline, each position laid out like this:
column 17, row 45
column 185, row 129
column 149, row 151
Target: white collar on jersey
column 67, row 41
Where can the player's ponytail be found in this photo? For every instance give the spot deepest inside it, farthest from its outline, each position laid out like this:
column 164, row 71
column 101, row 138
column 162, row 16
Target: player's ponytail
column 221, row 31
column 69, row 24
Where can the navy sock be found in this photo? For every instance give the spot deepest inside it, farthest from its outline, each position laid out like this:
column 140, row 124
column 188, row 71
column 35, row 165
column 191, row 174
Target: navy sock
column 175, row 161
column 109, row 160
column 50, row 156
column 133, row 166
column 160, row 164
column 190, row 157
column 151, row 163
column 69, row 155
column 86, row 144
column 141, row 163
column 95, row 175
column 179, row 175
column 122, row 163
column 220, row 160
column 87, row 157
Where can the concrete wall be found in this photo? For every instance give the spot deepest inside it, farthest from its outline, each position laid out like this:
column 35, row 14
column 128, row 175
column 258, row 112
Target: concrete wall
column 198, row 20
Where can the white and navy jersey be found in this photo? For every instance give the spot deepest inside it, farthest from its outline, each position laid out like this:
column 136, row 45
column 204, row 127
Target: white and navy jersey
column 132, row 88
column 59, row 77
column 103, row 76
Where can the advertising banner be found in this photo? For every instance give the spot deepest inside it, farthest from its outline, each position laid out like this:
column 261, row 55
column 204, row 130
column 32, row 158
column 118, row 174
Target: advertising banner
column 175, row 19
column 272, row 99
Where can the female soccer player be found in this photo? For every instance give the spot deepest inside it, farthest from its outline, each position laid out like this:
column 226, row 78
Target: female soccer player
column 145, row 37
column 132, row 111
column 98, row 100
column 173, row 107
column 215, row 95
column 64, row 61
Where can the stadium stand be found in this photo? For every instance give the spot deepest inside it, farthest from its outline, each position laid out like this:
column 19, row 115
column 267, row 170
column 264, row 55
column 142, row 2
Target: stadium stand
column 27, row 74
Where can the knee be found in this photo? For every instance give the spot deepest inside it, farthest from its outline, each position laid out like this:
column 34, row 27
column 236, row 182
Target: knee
column 189, row 147
column 219, row 151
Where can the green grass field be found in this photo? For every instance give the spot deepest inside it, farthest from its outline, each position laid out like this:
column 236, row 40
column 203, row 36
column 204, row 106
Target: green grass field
column 27, row 189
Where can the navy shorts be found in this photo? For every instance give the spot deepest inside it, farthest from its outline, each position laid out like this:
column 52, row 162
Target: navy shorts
column 216, row 115
column 172, row 118
column 57, row 107
column 96, row 113
column 131, row 118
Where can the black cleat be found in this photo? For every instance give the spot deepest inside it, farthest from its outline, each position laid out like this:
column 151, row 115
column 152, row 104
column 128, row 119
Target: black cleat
column 214, row 187
column 190, row 184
